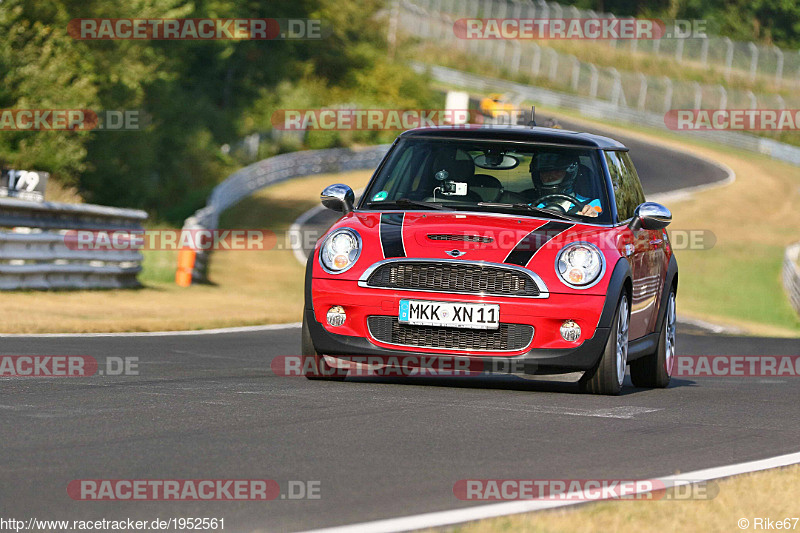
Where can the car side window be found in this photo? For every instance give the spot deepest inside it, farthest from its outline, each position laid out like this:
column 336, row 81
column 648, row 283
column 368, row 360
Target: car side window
column 627, row 188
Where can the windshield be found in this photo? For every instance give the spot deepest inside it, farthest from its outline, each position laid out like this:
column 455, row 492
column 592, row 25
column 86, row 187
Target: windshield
column 492, row 176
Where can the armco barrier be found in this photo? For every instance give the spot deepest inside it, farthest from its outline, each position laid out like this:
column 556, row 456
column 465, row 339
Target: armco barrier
column 250, row 179
column 791, row 274
column 605, row 110
column 34, row 253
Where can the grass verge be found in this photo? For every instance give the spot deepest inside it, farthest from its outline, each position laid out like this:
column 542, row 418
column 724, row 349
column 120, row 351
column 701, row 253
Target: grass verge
column 250, row 287
column 762, row 494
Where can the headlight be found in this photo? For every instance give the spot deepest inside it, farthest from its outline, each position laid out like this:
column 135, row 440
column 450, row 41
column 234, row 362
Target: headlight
column 340, row 250
column 580, row 265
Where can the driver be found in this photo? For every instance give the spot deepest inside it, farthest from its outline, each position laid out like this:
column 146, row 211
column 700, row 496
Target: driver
column 556, row 175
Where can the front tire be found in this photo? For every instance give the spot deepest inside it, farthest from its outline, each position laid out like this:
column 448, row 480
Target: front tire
column 608, row 375
column 655, row 370
column 314, row 365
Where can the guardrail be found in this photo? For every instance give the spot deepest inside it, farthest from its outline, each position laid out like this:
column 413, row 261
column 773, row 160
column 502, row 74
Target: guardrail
column 791, row 275
column 250, row 179
column 34, row 253
column 605, row 110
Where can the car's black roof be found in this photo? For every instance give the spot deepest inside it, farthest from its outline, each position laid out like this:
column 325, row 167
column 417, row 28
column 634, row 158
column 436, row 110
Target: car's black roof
column 518, row 133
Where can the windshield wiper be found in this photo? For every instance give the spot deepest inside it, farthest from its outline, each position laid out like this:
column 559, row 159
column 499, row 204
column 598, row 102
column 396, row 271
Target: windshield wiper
column 529, row 207
column 405, row 202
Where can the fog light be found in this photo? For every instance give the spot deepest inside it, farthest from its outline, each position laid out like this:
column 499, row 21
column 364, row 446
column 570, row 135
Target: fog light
column 570, row 330
column 336, row 316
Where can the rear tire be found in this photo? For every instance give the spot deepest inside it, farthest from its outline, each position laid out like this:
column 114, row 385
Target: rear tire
column 654, row 370
column 609, row 373
column 314, row 365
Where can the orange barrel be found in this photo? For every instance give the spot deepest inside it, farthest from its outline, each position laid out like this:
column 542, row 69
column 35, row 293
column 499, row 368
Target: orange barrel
column 186, row 258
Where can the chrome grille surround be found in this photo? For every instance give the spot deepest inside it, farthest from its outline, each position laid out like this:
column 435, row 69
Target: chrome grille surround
column 454, row 276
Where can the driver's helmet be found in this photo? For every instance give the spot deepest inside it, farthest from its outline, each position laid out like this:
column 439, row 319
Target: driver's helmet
column 554, row 173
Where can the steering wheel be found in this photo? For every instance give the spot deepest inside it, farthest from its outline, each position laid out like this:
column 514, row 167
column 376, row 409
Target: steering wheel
column 577, row 204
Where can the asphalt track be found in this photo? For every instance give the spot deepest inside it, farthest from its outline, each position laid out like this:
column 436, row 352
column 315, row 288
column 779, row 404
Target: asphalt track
column 209, row 407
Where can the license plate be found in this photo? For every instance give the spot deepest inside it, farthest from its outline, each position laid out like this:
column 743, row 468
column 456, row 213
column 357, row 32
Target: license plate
column 449, row 314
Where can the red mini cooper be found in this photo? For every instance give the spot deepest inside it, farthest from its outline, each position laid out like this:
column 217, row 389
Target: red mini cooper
column 522, row 248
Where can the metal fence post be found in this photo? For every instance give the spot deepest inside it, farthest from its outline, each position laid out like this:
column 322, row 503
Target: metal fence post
column 545, row 9
column 576, row 72
column 704, row 52
column 723, row 97
column 642, row 92
column 616, row 89
column 517, row 9
column 536, row 62
column 503, row 9
column 779, row 66
column 553, row 64
column 612, row 42
column 698, row 95
column 515, row 56
column 753, row 60
column 593, row 82
column 667, row 94
column 425, row 28
column 501, row 53
column 728, row 57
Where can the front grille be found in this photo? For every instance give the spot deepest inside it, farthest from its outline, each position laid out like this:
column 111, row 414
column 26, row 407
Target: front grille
column 461, row 238
column 453, row 277
column 509, row 337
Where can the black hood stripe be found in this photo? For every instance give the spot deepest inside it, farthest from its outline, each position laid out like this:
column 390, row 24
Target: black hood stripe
column 534, row 241
column 391, row 233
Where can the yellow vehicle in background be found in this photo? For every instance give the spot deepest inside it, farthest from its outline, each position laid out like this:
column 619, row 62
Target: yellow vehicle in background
column 496, row 105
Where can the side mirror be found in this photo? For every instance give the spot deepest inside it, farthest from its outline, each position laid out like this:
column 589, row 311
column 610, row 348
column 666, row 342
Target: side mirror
column 651, row 215
column 338, row 197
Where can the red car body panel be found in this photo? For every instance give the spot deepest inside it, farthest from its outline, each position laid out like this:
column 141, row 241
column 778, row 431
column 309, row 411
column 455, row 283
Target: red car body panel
column 648, row 262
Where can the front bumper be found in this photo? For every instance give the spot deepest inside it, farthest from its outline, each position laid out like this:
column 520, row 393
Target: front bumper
column 534, row 361
column 546, row 355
